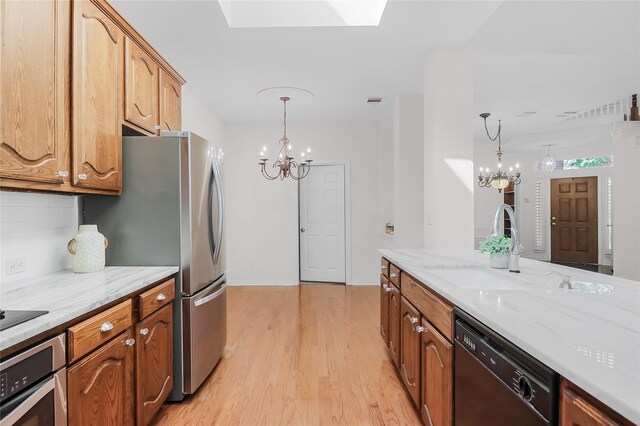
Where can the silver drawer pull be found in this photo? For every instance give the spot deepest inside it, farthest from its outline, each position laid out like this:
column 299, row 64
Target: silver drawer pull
column 63, row 173
column 144, row 331
column 107, row 326
column 161, row 297
column 383, row 267
column 393, row 275
column 130, row 342
column 413, row 320
column 82, row 176
column 387, row 288
column 420, row 329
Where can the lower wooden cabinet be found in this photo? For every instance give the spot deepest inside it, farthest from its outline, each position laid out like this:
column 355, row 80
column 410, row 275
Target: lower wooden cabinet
column 154, row 363
column 394, row 325
column 577, row 411
column 436, row 407
column 385, row 289
column 410, row 349
column 100, row 387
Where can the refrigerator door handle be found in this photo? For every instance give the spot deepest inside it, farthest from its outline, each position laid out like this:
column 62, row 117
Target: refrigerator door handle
column 210, row 297
column 218, row 181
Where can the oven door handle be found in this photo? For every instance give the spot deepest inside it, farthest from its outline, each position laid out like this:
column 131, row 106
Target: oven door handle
column 22, row 409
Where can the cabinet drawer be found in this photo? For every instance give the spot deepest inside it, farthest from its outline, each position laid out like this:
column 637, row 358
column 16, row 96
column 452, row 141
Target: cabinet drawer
column 384, row 267
column 152, row 300
column 394, row 275
column 91, row 333
column 437, row 311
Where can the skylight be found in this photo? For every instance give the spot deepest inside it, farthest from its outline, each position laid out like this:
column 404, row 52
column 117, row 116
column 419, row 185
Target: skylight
column 302, row 13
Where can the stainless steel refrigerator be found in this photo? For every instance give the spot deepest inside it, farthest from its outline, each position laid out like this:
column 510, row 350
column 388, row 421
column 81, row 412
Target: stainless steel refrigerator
column 171, row 212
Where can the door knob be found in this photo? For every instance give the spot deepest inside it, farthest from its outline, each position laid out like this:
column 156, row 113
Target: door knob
column 302, row 229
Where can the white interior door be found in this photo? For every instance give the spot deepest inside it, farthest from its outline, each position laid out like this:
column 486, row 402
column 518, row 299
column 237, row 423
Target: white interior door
column 322, row 225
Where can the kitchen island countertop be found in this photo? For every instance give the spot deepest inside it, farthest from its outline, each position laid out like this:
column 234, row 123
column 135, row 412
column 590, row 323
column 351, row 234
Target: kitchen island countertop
column 67, row 295
column 590, row 335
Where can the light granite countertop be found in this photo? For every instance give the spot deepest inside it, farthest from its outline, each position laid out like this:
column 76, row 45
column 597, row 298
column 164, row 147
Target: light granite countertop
column 589, row 335
column 67, row 295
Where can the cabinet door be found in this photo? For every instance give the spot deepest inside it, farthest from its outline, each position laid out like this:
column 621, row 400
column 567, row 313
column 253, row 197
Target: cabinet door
column 100, row 386
column 141, row 83
column 410, row 351
column 98, row 56
column 34, row 90
column 384, row 309
column 394, row 325
column 437, row 378
column 575, row 411
column 154, row 361
column 170, row 103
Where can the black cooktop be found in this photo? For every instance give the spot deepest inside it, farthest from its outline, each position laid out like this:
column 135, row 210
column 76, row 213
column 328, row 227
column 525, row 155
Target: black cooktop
column 11, row 318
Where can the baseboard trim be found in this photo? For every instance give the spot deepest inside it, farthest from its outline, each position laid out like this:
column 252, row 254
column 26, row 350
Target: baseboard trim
column 373, row 282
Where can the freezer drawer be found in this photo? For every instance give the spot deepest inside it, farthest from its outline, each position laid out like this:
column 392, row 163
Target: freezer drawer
column 205, row 333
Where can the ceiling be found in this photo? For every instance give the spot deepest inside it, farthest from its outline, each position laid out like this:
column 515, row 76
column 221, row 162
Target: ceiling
column 546, row 57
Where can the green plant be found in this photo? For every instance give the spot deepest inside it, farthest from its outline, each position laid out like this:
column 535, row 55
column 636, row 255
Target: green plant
column 495, row 244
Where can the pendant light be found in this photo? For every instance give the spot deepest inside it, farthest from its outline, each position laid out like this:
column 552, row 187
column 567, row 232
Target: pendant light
column 502, row 178
column 548, row 163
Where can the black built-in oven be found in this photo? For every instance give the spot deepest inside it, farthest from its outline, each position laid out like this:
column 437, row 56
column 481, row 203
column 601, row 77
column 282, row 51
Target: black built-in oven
column 33, row 386
column 498, row 384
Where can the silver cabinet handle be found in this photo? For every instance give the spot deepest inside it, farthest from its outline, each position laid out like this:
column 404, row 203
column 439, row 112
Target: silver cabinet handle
column 420, row 329
column 161, row 297
column 413, row 320
column 393, row 275
column 82, row 176
column 130, row 342
column 107, row 326
column 144, row 331
column 383, row 267
column 156, row 127
column 63, row 173
column 387, row 288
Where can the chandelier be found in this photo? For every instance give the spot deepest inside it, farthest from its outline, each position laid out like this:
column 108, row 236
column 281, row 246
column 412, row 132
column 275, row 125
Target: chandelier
column 548, row 162
column 285, row 164
column 500, row 179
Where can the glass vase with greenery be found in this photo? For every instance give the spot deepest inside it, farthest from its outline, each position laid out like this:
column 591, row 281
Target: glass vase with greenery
column 498, row 247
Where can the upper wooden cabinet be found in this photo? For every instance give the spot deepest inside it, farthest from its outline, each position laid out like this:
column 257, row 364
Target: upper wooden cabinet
column 72, row 73
column 34, row 90
column 98, row 46
column 170, row 103
column 141, row 94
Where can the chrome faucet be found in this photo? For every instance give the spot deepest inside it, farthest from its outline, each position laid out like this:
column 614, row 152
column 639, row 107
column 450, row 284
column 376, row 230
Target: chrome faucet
column 514, row 252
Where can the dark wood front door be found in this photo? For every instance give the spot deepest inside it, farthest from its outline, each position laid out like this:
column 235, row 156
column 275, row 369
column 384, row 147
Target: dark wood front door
column 574, row 220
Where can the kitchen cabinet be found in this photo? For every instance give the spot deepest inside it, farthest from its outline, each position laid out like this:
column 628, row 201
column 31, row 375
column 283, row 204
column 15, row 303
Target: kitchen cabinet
column 579, row 409
column 154, row 363
column 100, row 386
column 410, row 349
column 98, row 54
column 394, row 325
column 142, row 77
column 170, row 103
column 76, row 73
column 34, row 91
column 385, row 289
column 436, row 406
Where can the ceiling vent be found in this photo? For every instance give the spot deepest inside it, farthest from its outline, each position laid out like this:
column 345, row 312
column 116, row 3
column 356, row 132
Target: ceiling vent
column 374, row 100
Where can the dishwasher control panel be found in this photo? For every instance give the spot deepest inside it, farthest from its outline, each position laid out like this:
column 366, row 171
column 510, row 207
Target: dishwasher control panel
column 506, row 368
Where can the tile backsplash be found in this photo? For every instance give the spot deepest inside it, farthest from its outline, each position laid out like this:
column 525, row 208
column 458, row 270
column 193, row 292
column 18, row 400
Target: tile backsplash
column 36, row 228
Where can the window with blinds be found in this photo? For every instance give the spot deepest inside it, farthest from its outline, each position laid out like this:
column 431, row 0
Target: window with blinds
column 539, row 217
column 609, row 217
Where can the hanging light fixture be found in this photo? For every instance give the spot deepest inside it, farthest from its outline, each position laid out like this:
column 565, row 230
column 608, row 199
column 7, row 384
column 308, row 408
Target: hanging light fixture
column 500, row 179
column 285, row 164
column 548, row 162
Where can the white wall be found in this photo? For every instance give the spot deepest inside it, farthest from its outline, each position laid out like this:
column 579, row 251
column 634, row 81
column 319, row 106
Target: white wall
column 262, row 231
column 198, row 118
column 36, row 228
column 408, row 171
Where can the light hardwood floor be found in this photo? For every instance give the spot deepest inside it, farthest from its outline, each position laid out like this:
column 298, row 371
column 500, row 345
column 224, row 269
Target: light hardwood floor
column 300, row 355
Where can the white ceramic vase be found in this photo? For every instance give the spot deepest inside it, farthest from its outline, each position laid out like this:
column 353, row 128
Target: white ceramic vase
column 88, row 247
column 499, row 260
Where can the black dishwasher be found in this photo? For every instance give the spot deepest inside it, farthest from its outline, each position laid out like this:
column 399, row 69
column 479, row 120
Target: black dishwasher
column 496, row 383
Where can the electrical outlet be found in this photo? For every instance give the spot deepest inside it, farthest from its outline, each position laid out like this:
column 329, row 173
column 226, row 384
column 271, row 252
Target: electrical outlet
column 15, row 266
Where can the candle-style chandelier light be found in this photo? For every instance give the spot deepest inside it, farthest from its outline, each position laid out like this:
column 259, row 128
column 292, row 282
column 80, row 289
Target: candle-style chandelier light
column 285, row 164
column 500, row 179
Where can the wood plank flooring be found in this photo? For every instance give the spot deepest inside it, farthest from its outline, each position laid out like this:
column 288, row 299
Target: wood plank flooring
column 300, row 355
